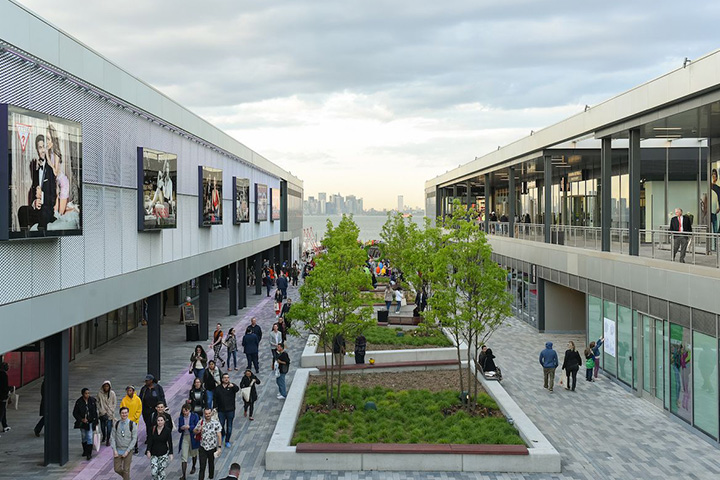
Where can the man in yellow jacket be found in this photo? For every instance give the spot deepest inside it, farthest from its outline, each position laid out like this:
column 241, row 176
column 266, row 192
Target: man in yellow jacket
column 134, row 406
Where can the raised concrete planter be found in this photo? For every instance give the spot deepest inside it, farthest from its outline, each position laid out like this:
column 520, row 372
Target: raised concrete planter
column 280, row 455
column 311, row 358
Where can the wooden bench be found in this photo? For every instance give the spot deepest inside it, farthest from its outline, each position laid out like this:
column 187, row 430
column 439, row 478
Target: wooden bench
column 400, row 448
column 404, row 320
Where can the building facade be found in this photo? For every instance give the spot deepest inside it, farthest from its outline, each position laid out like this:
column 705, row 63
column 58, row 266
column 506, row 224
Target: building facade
column 590, row 236
column 146, row 203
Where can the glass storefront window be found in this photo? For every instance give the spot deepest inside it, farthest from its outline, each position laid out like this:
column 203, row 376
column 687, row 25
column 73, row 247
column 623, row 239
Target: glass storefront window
column 705, row 383
column 680, row 372
column 595, row 327
column 624, row 344
column 122, row 321
column 659, row 359
column 607, row 359
column 647, row 351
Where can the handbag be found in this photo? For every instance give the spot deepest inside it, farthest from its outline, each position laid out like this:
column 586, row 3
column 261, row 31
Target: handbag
column 277, row 371
column 198, row 436
column 246, row 391
column 96, row 438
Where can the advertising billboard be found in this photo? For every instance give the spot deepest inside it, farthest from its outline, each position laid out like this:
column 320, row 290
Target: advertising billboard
column 241, row 200
column 43, row 175
column 157, row 184
column 210, row 195
column 274, row 204
column 261, row 203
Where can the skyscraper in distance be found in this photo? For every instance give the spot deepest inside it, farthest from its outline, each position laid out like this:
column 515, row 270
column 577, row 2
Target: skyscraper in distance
column 401, row 204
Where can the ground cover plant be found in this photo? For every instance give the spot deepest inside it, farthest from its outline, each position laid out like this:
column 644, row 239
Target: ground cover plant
column 427, row 415
column 418, row 337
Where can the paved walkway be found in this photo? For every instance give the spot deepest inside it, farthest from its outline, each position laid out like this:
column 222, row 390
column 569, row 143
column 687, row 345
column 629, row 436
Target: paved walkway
column 601, row 430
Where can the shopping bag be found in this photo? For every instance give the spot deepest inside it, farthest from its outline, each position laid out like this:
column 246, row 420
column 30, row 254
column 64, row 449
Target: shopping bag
column 246, row 393
column 96, row 438
column 15, row 397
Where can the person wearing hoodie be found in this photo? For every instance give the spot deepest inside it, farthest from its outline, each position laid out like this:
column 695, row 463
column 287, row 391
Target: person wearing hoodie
column 86, row 416
column 549, row 361
column 134, row 405
column 106, row 404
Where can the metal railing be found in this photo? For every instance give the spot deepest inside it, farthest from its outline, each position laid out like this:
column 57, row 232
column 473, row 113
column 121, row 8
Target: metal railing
column 701, row 246
column 530, row 231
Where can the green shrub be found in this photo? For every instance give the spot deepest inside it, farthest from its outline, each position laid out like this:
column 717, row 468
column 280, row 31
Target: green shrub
column 407, row 416
column 388, row 336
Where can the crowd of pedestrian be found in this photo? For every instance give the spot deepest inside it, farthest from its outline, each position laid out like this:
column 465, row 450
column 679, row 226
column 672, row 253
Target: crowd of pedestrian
column 571, row 364
column 207, row 413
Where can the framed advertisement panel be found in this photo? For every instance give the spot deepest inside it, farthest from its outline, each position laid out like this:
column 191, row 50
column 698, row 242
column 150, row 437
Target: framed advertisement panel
column 210, row 196
column 261, row 203
column 157, row 189
column 274, row 204
column 241, row 200
column 42, row 175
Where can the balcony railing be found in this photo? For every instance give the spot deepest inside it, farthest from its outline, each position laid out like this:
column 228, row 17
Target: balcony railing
column 658, row 243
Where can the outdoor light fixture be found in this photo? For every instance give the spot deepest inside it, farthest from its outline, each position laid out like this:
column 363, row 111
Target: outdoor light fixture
column 686, row 62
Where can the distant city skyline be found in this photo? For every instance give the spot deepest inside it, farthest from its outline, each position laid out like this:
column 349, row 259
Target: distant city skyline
column 337, row 204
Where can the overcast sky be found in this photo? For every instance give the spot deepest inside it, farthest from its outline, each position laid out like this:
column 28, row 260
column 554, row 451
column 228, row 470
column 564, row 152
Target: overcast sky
column 372, row 98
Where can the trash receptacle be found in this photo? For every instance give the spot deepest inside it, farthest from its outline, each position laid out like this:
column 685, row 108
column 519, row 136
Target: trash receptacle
column 382, row 316
column 192, row 332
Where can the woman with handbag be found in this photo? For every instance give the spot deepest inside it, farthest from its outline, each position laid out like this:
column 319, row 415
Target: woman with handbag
column 249, row 393
column 107, row 403
column 85, row 414
column 159, row 448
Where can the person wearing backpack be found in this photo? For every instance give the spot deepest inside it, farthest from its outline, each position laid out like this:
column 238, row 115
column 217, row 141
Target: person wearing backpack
column 123, row 440
column 589, row 363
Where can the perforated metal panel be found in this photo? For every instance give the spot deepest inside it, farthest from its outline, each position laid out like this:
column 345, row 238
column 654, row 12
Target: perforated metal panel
column 129, row 230
column 113, row 232
column 594, row 288
column 680, row 314
column 658, row 307
column 45, row 269
column 583, row 284
column 704, row 322
column 623, row 297
column 640, row 302
column 608, row 292
column 16, row 280
column 72, row 261
column 94, row 222
column 110, row 244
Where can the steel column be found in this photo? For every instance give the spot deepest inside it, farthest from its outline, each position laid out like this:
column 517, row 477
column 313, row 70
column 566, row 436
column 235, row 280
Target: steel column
column 605, row 192
column 634, row 170
column 57, row 349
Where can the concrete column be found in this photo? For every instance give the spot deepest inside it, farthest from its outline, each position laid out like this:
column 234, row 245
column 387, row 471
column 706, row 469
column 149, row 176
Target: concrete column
column 438, row 202
column 153, row 334
column 634, row 170
column 258, row 273
column 511, row 199
column 205, row 282
column 547, row 200
column 242, row 298
column 57, row 348
column 487, row 202
column 606, row 192
column 541, row 304
column 233, row 287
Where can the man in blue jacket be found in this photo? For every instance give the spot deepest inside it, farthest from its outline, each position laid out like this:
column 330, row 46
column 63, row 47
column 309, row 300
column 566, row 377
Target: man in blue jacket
column 549, row 362
column 251, row 343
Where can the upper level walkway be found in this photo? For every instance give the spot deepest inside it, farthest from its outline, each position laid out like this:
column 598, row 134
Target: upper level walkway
column 602, row 431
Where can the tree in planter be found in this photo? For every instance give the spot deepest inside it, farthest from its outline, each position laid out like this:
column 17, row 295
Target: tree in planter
column 330, row 299
column 412, row 249
column 469, row 296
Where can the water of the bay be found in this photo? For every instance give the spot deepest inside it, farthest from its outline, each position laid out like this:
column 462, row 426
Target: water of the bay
column 370, row 225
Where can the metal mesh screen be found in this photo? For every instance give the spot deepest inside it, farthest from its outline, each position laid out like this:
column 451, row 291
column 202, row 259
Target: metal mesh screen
column 110, row 244
column 658, row 307
column 680, row 314
column 704, row 322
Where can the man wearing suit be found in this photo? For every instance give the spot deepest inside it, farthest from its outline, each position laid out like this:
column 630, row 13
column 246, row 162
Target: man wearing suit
column 42, row 195
column 682, row 228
